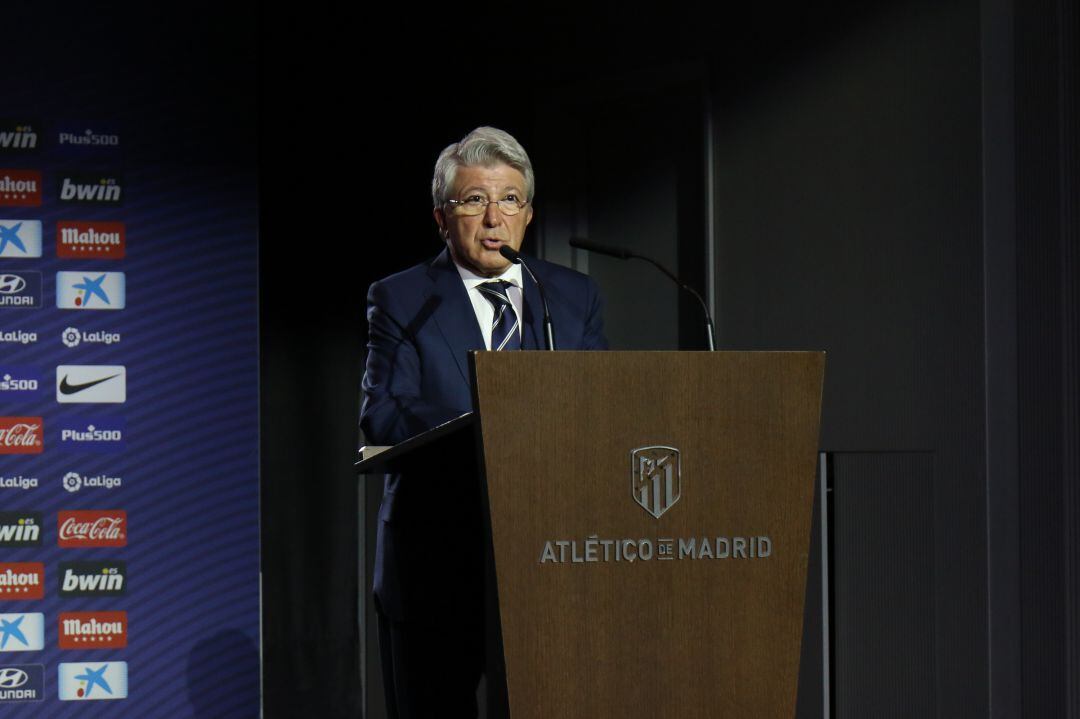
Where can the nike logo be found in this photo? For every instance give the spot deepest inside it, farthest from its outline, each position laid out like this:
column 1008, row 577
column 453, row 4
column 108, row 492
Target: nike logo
column 66, row 388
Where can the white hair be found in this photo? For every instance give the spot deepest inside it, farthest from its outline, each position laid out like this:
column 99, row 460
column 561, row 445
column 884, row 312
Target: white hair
column 484, row 147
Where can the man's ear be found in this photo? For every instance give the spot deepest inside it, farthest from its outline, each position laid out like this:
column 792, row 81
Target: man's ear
column 440, row 220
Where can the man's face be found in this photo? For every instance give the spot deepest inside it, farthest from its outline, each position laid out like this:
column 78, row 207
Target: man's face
column 474, row 240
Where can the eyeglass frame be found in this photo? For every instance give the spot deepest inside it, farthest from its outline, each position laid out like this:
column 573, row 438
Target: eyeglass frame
column 454, row 204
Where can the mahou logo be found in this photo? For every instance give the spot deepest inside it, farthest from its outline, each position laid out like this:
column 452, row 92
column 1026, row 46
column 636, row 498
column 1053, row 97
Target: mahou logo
column 93, row 630
column 20, row 188
column 92, row 528
column 21, row 435
column 90, row 240
column 22, row 580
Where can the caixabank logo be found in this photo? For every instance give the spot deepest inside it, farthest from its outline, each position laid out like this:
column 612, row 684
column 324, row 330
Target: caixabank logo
column 22, row 632
column 20, row 529
column 87, row 681
column 21, row 683
column 21, row 435
column 90, row 189
column 20, row 188
column 90, row 240
column 22, row 580
column 92, row 528
column 91, row 290
column 99, row 578
column 20, row 239
column 18, row 136
column 20, row 290
column 93, row 630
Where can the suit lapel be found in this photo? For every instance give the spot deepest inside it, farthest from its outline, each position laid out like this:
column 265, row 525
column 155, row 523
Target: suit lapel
column 454, row 313
column 532, row 324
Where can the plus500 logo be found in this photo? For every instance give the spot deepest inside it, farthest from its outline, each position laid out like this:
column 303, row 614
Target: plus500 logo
column 96, row 434
column 19, row 379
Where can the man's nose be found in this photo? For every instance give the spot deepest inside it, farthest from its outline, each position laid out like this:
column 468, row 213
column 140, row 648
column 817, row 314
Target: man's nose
column 492, row 215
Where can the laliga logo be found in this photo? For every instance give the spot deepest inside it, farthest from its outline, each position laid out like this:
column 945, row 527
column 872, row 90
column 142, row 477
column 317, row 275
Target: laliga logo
column 72, row 336
column 72, row 482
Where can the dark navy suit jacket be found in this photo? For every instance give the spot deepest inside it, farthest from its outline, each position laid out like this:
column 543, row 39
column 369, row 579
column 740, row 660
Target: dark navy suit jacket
column 421, row 328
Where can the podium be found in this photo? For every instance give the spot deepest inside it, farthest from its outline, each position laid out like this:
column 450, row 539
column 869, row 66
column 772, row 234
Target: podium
column 649, row 523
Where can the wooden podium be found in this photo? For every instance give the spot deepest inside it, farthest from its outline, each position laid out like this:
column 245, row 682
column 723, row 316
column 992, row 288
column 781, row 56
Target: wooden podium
column 650, row 525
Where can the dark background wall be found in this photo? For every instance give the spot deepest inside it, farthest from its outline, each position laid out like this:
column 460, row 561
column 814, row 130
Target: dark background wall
column 848, row 203
column 894, row 183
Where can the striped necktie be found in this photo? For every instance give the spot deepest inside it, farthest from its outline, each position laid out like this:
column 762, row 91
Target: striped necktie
column 504, row 327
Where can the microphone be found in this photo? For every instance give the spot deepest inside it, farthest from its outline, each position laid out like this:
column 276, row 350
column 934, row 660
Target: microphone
column 624, row 254
column 514, row 256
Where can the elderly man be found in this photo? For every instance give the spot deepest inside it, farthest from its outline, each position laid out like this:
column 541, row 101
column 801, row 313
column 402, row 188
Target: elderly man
column 423, row 323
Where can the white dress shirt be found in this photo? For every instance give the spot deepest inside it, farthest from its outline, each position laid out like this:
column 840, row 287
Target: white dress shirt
column 485, row 311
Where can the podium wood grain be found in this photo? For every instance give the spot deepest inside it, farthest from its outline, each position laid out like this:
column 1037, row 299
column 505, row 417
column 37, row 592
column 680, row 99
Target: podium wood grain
column 685, row 638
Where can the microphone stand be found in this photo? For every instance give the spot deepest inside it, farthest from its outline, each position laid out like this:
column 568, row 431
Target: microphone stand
column 623, row 254
column 549, row 330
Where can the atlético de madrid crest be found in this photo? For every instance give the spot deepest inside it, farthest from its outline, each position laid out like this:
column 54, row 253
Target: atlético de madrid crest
column 655, row 478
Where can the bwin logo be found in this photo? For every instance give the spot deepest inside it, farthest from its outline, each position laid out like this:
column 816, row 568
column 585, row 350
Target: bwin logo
column 98, row 190
column 92, row 578
column 20, row 529
column 21, row 137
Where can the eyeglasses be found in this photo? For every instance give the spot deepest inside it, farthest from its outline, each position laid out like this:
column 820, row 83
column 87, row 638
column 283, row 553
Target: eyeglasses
column 477, row 205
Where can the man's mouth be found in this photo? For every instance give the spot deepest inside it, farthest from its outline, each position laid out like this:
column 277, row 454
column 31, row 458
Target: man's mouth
column 491, row 243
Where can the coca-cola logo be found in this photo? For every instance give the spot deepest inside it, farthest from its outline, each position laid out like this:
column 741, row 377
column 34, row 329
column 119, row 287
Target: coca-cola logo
column 21, row 435
column 92, row 528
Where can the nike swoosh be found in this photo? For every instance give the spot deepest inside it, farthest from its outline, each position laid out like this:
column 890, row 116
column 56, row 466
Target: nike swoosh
column 66, row 388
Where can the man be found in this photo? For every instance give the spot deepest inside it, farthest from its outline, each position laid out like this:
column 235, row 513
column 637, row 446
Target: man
column 423, row 322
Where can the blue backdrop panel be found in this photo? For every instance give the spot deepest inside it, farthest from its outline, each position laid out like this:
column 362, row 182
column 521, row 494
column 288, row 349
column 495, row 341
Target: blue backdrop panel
column 178, row 456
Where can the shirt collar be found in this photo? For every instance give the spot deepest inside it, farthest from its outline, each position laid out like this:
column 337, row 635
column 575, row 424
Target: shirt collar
column 471, row 279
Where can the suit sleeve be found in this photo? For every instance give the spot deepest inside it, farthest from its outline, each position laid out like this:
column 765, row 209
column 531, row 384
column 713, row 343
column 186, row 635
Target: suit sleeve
column 593, row 337
column 394, row 408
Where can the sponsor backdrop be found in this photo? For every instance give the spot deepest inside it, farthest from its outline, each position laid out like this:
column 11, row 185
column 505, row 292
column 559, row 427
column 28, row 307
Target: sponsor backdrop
column 128, row 419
